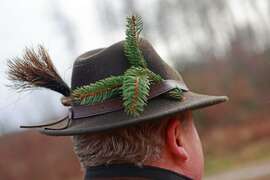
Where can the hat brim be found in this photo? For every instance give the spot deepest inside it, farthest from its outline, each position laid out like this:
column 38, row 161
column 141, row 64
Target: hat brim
column 157, row 108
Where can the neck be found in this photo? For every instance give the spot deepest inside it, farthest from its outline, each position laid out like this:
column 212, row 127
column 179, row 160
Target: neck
column 170, row 167
column 167, row 162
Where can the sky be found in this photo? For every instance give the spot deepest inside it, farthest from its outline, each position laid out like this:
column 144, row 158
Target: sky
column 68, row 28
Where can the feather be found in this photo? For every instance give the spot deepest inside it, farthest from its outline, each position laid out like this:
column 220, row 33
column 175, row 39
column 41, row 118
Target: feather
column 35, row 69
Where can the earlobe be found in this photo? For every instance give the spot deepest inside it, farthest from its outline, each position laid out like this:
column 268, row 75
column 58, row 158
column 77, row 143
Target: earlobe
column 174, row 140
column 182, row 153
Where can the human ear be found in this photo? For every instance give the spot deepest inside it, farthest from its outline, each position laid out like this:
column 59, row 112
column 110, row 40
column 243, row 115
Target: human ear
column 174, row 138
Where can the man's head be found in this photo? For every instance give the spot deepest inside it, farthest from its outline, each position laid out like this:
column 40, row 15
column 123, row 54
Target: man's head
column 171, row 143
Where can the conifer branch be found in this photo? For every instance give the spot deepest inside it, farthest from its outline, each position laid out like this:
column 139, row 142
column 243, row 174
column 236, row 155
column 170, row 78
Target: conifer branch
column 131, row 44
column 98, row 91
column 138, row 71
column 175, row 94
column 135, row 93
column 154, row 78
column 135, row 57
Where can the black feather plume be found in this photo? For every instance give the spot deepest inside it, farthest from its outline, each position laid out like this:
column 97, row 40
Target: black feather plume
column 35, row 69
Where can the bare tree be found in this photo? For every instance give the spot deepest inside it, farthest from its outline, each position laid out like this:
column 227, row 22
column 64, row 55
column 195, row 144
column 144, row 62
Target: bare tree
column 195, row 28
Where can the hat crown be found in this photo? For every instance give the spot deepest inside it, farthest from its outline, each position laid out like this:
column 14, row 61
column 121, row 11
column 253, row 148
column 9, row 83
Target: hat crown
column 101, row 63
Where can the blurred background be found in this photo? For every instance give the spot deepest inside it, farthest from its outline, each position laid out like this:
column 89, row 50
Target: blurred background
column 220, row 47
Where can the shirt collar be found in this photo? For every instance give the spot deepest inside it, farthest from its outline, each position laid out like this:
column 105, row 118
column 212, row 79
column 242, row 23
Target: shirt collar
column 127, row 170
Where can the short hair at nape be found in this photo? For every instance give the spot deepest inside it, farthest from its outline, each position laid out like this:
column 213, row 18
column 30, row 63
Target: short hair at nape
column 138, row 144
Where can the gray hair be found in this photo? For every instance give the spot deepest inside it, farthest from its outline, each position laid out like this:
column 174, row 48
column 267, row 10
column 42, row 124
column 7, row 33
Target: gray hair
column 137, row 144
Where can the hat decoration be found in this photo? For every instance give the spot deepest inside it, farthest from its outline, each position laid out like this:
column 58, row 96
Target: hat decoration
column 134, row 85
column 35, row 69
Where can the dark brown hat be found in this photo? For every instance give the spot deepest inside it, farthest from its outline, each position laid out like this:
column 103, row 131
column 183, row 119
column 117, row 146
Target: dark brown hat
column 121, row 85
column 102, row 63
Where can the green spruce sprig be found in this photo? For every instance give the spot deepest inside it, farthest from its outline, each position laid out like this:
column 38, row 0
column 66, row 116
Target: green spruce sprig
column 135, row 91
column 99, row 91
column 131, row 45
column 134, row 85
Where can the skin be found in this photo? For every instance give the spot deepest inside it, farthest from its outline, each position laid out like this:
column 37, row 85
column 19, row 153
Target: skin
column 183, row 151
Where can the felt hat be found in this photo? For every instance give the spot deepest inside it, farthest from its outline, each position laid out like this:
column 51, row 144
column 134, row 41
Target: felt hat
column 99, row 64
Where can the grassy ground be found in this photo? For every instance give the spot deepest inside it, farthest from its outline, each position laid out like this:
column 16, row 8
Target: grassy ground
column 251, row 153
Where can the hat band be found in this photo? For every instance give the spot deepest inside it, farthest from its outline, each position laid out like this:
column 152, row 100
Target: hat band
column 115, row 104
